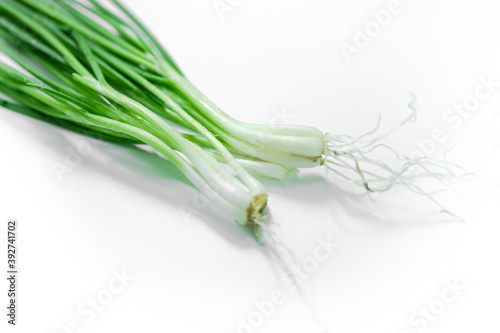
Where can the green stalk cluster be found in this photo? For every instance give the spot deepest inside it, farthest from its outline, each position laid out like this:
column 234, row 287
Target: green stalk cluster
column 90, row 69
column 116, row 80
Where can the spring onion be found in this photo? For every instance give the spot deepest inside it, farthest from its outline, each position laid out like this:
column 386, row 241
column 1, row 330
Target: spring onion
column 96, row 70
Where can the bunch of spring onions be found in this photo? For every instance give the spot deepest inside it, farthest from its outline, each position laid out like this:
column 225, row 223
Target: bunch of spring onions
column 96, row 69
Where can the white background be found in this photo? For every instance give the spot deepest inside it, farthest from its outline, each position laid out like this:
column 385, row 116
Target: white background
column 120, row 209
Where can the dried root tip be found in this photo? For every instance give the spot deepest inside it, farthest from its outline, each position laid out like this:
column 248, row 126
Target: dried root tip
column 255, row 217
